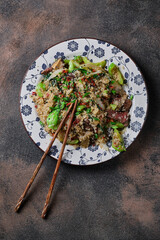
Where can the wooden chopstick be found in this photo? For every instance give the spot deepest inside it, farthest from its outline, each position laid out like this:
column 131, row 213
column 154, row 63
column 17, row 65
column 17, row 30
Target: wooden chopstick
column 41, row 162
column 58, row 164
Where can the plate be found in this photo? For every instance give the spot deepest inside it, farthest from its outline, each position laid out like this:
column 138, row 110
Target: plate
column 95, row 50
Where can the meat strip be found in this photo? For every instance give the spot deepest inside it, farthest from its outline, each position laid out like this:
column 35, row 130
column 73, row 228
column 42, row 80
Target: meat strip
column 121, row 117
column 47, row 70
column 127, row 105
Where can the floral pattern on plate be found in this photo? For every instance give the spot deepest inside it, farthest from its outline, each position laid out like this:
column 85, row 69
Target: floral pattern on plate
column 95, row 50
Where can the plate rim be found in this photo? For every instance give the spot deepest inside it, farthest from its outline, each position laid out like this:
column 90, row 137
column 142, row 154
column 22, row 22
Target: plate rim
column 91, row 38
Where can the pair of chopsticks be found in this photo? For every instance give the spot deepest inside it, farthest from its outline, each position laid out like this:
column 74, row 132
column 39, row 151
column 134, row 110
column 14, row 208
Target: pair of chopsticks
column 57, row 165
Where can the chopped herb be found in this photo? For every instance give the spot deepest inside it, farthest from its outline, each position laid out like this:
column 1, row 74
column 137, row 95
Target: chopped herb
column 84, row 71
column 41, row 123
column 88, row 110
column 66, row 99
column 86, row 88
column 96, row 136
column 106, row 91
column 95, row 76
column 131, row 97
column 56, row 98
column 112, row 81
column 77, row 113
column 114, row 126
column 113, row 106
column 86, row 94
column 113, row 91
column 98, row 96
column 64, row 87
column 96, row 119
column 63, row 104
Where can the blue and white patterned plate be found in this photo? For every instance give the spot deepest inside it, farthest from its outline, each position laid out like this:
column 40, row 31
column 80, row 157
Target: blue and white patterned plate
column 95, row 50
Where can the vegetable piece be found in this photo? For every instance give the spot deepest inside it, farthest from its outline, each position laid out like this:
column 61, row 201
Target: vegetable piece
column 73, row 142
column 113, row 91
column 40, row 86
column 84, row 71
column 101, row 64
column 117, row 141
column 113, row 106
column 41, row 123
column 71, row 66
column 95, row 135
column 66, row 61
column 56, row 98
column 86, row 94
column 85, row 60
column 80, row 108
column 76, row 64
column 66, row 99
column 88, row 110
column 63, row 104
column 52, row 119
column 79, row 59
column 116, row 125
column 131, row 97
column 77, row 113
column 96, row 119
column 115, row 73
column 105, row 92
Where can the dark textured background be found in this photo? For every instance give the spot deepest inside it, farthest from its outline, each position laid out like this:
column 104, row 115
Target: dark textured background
column 119, row 199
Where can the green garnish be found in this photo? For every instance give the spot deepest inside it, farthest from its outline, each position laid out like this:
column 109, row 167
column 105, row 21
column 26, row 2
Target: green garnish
column 86, row 94
column 88, row 110
column 113, row 106
column 56, row 98
column 106, row 91
column 41, row 123
column 84, row 71
column 63, row 104
column 79, row 59
column 66, row 99
column 40, row 86
column 131, row 97
column 80, row 108
column 113, row 91
column 72, row 142
column 96, row 119
column 115, row 125
column 95, row 135
column 77, row 113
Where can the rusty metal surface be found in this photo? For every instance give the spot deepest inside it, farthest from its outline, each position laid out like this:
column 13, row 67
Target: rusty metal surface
column 119, row 199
